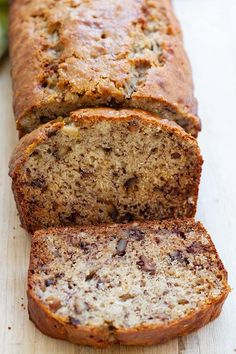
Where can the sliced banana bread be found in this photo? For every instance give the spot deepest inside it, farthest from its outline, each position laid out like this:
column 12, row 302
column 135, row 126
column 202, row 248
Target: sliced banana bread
column 133, row 284
column 75, row 54
column 105, row 165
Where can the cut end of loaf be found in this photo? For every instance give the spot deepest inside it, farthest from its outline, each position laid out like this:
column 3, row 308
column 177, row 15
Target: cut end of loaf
column 165, row 278
column 103, row 165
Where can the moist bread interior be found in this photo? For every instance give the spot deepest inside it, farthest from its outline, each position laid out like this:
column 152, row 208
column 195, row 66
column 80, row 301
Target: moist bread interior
column 125, row 276
column 109, row 171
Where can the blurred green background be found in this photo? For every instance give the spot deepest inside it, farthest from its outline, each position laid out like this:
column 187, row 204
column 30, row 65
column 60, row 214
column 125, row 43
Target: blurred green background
column 3, row 27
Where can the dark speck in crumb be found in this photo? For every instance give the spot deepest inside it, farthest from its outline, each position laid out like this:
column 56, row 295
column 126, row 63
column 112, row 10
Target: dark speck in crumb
column 84, row 246
column 60, row 275
column 136, row 234
column 175, row 155
column 74, row 321
column 49, row 282
column 38, row 183
column 131, row 182
column 157, row 239
column 113, row 212
column 127, row 218
column 182, row 235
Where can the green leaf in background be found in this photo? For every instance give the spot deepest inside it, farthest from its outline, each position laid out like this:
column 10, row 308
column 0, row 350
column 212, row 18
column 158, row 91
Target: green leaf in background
column 3, row 27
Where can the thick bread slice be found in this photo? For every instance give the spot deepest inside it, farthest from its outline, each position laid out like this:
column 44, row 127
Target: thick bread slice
column 67, row 55
column 105, row 165
column 133, row 284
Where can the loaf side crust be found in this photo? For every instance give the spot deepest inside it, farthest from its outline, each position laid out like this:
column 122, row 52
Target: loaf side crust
column 69, row 55
column 100, row 338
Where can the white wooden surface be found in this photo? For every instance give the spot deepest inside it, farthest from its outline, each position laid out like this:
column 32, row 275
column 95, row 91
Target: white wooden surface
column 210, row 35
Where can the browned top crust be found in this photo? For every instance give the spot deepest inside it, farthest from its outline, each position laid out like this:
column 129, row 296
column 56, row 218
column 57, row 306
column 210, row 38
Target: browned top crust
column 71, row 54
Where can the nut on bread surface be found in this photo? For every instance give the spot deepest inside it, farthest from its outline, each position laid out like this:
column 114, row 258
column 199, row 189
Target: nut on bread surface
column 104, row 165
column 138, row 283
column 67, row 55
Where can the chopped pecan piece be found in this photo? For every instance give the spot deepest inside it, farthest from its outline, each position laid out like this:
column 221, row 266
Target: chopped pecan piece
column 175, row 155
column 146, row 265
column 91, row 274
column 74, row 321
column 195, row 247
column 137, row 234
column 121, row 246
column 126, row 297
column 178, row 256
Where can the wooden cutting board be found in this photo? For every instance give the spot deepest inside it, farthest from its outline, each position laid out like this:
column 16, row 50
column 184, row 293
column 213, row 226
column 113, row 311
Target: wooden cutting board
column 209, row 28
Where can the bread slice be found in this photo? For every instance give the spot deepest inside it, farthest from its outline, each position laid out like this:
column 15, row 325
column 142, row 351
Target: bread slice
column 133, row 284
column 105, row 165
column 67, row 55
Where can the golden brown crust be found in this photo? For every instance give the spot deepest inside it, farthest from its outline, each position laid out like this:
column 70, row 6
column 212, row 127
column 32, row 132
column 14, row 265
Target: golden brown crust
column 27, row 144
column 39, row 314
column 142, row 65
column 54, row 326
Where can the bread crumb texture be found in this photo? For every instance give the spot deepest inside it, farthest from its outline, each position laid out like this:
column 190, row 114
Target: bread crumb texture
column 104, row 165
column 125, row 276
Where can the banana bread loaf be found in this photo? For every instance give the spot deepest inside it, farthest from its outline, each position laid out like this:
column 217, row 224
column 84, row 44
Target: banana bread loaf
column 133, row 284
column 75, row 54
column 105, row 165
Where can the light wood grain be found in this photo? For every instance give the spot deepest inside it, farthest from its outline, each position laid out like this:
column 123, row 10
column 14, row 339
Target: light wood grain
column 209, row 30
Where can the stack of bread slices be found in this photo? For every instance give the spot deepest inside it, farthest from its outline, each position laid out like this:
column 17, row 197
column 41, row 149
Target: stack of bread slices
column 106, row 173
